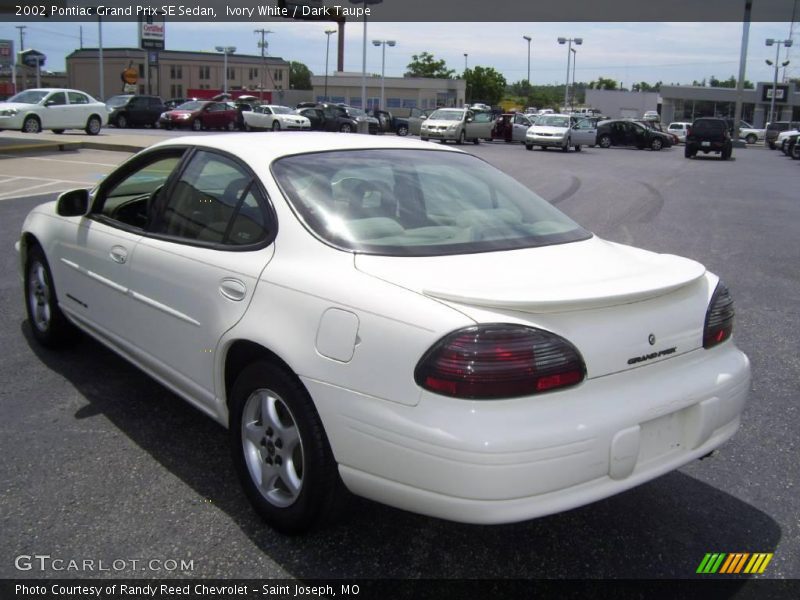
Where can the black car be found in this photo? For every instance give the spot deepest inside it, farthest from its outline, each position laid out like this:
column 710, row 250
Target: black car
column 709, row 134
column 134, row 110
column 388, row 123
column 624, row 132
column 327, row 117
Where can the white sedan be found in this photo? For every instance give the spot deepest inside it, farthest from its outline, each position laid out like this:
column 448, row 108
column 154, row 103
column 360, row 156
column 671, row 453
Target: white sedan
column 58, row 109
column 552, row 131
column 274, row 117
column 392, row 318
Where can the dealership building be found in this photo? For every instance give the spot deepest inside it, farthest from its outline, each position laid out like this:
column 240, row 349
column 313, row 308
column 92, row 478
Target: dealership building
column 171, row 73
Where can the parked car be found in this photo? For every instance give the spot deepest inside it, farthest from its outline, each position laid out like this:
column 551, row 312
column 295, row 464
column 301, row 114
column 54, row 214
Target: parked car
column 659, row 127
column 416, row 118
column 552, row 130
column 709, row 134
column 651, row 115
column 624, row 132
column 460, row 125
column 173, row 103
column 362, row 119
column 388, row 123
column 783, row 136
column 328, row 117
column 343, row 339
column 56, row 109
column 751, row 134
column 129, row 110
column 275, row 118
column 511, row 127
column 775, row 128
column 199, row 115
column 789, row 143
column 679, row 128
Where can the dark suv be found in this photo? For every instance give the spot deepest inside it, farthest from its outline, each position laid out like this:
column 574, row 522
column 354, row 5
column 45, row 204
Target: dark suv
column 709, row 134
column 130, row 111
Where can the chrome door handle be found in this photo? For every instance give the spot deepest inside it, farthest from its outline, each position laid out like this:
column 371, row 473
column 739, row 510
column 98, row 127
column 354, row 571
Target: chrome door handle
column 118, row 254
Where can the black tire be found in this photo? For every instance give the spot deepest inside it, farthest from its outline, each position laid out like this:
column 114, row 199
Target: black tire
column 796, row 151
column 528, row 146
column 48, row 324
column 476, row 141
column 462, row 137
column 657, row 144
column 422, row 139
column 57, row 131
column 304, row 491
column 751, row 138
column 402, row 130
column 604, row 141
column 544, row 148
column 276, row 126
column 565, row 147
column 771, row 145
column 31, row 124
column 346, row 128
column 122, row 122
column 577, row 148
column 197, row 125
column 93, row 125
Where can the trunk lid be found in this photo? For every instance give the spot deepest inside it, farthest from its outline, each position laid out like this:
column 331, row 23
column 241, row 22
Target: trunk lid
column 620, row 306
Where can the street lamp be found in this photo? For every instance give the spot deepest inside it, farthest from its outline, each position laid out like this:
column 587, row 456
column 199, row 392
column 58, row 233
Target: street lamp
column 465, row 61
column 383, row 43
column 777, row 44
column 328, row 33
column 364, row 51
column 574, row 62
column 528, row 39
column 225, row 51
column 568, row 41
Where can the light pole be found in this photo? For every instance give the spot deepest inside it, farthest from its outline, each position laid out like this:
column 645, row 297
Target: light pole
column 528, row 39
column 465, row 61
column 384, row 43
column 777, row 44
column 574, row 61
column 328, row 33
column 568, row 41
column 364, row 51
column 263, row 44
column 225, row 51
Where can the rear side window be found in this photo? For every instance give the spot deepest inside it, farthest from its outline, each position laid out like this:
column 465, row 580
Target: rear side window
column 215, row 201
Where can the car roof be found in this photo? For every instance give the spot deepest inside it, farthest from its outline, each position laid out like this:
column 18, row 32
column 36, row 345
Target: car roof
column 263, row 148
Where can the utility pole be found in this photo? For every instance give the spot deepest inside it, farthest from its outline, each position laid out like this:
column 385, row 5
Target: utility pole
column 263, row 45
column 22, row 29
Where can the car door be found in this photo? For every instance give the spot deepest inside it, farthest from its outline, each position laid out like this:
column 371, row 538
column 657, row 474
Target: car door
column 93, row 271
column 138, row 110
column 415, row 120
column 195, row 272
column 78, row 109
column 584, row 133
column 521, row 125
column 55, row 114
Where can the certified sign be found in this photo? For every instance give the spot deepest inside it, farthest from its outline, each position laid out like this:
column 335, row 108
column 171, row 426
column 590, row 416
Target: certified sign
column 151, row 34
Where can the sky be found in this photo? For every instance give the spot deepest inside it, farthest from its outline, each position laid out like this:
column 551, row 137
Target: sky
column 626, row 52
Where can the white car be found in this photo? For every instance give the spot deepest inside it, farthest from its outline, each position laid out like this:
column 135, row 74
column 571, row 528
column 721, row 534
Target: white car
column 679, row 129
column 783, row 136
column 751, row 134
column 57, row 109
column 550, row 131
column 392, row 318
column 274, row 117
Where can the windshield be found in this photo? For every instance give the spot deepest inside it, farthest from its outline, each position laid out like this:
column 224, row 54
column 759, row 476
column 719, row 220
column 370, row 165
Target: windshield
column 29, row 97
column 355, row 112
column 282, row 110
column 191, row 105
column 115, row 101
column 417, row 203
column 447, row 115
column 551, row 121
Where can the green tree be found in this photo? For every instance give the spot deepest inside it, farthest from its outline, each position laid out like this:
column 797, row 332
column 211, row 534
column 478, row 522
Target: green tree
column 299, row 76
column 425, row 65
column 730, row 82
column 603, row 83
column 484, row 84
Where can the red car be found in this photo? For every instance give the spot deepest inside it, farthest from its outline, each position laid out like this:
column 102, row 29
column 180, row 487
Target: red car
column 199, row 115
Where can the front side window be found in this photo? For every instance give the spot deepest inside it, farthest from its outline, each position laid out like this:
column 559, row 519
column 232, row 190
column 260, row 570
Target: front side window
column 56, row 99
column 215, row 201
column 131, row 199
column 417, row 202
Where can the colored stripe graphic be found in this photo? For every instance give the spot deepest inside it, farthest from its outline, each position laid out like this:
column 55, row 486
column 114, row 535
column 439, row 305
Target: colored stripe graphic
column 733, row 563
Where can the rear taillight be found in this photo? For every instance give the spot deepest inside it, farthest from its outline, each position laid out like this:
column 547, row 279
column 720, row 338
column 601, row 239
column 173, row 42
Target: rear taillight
column 719, row 317
column 499, row 361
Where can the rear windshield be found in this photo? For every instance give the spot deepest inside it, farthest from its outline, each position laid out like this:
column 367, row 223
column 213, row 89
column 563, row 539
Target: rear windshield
column 708, row 126
column 417, row 203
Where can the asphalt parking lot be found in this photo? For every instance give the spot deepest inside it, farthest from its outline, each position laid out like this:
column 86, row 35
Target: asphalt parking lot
column 100, row 462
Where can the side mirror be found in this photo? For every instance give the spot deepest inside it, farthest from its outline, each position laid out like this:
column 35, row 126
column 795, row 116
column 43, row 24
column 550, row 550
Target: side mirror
column 50, row 103
column 469, row 119
column 74, row 203
column 423, row 117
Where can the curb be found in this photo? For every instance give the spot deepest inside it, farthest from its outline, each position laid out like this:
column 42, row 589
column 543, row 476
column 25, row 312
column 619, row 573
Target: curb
column 40, row 147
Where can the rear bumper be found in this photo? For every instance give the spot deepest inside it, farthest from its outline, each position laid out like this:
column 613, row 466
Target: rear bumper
column 512, row 460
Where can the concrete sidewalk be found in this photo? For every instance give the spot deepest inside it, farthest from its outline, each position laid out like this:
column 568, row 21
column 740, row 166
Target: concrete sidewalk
column 15, row 142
